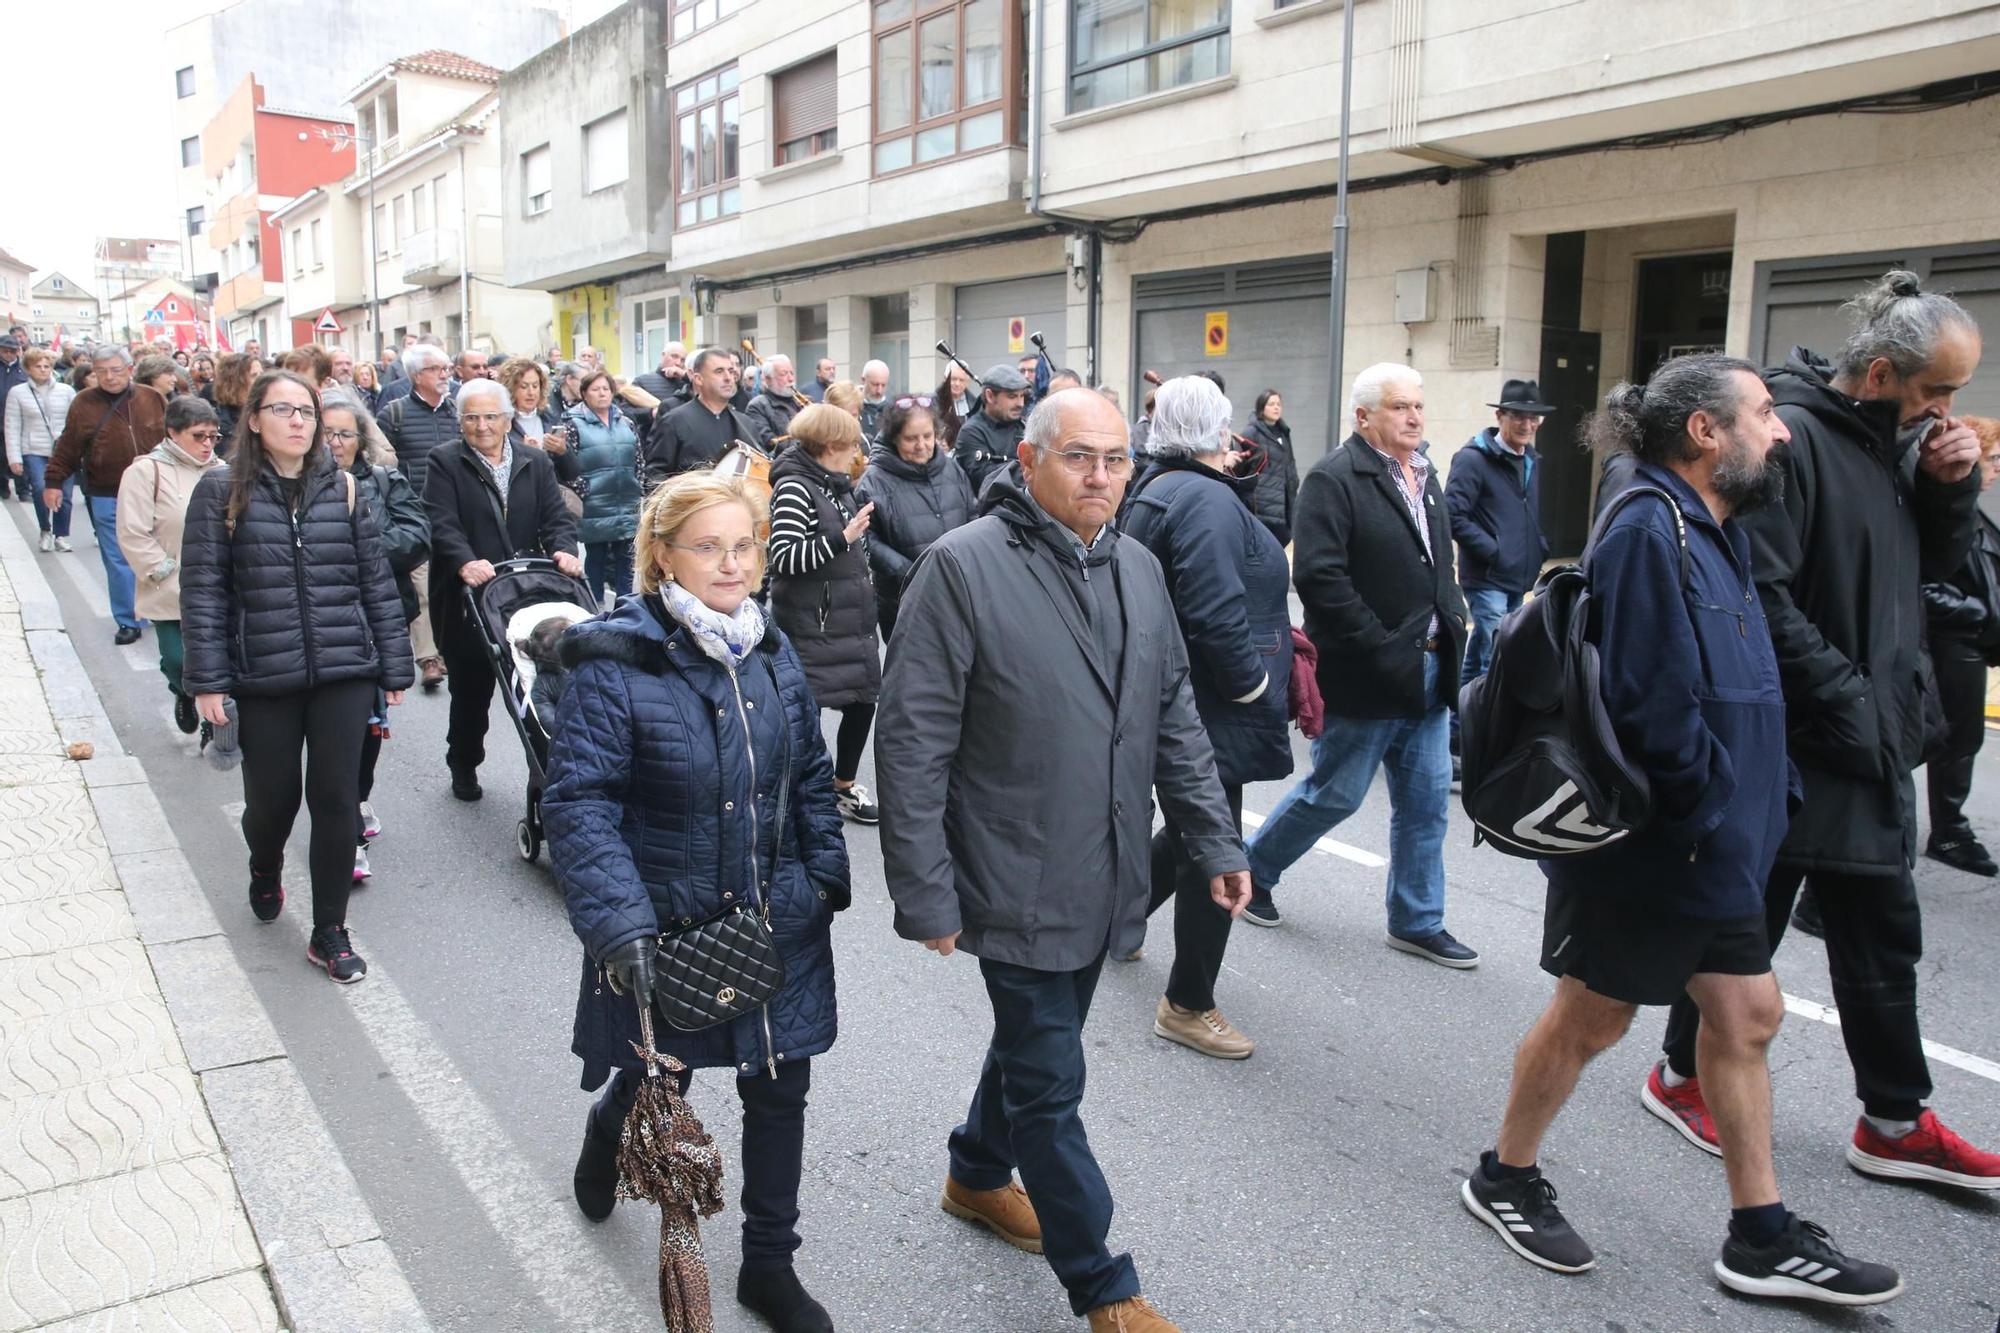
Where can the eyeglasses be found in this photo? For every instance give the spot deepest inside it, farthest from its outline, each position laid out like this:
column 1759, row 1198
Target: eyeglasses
column 712, row 552
column 343, row 436
column 207, row 436
column 286, row 411
column 916, row 400
column 1083, row 462
column 482, row 418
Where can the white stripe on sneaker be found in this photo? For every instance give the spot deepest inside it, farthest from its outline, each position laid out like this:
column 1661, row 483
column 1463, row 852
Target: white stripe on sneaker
column 1827, row 1275
column 1805, row 1271
column 1791, row 1263
column 1519, row 1226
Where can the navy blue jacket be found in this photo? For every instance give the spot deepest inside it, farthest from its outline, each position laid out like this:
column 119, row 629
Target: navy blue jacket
column 1229, row 581
column 1691, row 684
column 649, row 809
column 1495, row 500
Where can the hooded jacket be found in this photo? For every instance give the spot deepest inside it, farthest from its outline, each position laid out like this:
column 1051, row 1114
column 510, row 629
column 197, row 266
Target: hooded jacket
column 915, row 504
column 1494, row 496
column 1018, row 759
column 1840, row 566
column 152, row 510
column 662, row 807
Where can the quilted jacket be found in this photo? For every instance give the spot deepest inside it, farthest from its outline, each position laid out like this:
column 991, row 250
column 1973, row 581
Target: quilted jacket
column 649, row 809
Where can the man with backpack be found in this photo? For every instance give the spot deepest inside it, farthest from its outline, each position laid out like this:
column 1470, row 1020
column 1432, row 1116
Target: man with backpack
column 1690, row 683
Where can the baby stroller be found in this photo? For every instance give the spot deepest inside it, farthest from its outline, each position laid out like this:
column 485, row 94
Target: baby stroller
column 521, row 594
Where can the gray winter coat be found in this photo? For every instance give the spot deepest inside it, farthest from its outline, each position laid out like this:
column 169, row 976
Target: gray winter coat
column 1005, row 757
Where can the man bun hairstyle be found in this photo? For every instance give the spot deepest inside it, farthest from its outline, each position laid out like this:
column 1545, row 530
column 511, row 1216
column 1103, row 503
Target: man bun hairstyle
column 1897, row 320
column 1649, row 421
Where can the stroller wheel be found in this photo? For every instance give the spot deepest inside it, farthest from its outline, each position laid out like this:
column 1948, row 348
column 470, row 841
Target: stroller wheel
column 527, row 841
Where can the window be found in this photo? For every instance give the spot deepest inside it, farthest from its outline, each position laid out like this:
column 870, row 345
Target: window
column 399, row 209
column 706, row 115
column 804, row 112
column 690, row 16
column 184, row 81
column 298, row 252
column 941, row 77
column 381, row 229
column 421, row 218
column 385, row 116
column 56, row 284
column 312, row 246
column 441, row 209
column 536, row 191
column 810, row 343
column 889, row 334
column 1120, row 49
column 606, row 155
column 191, row 151
column 197, row 218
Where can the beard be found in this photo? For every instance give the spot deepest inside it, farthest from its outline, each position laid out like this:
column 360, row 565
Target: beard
column 1746, row 482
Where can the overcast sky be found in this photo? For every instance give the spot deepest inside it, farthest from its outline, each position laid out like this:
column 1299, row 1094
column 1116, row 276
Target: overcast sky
column 78, row 73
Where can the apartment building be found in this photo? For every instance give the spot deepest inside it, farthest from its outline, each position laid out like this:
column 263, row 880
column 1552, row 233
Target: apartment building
column 59, row 302
column 16, row 282
column 1566, row 193
column 124, row 270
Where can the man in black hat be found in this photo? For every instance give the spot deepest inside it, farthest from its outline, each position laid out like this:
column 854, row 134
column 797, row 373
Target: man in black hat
column 1496, row 519
column 989, row 441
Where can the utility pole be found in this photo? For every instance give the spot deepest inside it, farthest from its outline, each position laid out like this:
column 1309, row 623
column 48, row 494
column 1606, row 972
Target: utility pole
column 363, row 142
column 1336, row 346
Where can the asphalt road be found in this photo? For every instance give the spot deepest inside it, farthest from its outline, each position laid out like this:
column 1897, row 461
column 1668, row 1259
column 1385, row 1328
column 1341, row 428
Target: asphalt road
column 1312, row 1187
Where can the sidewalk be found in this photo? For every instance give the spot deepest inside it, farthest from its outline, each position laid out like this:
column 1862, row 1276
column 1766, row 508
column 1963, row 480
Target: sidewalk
column 152, row 1128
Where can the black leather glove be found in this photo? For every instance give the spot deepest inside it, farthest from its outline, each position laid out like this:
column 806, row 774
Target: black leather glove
column 630, row 968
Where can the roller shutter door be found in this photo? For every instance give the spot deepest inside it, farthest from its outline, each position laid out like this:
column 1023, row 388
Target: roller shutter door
column 981, row 313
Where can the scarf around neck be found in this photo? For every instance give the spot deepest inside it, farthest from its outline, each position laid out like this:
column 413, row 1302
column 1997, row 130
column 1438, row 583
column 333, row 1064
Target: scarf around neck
column 727, row 639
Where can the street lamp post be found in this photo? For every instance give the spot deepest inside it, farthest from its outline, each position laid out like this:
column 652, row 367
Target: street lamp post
column 363, row 141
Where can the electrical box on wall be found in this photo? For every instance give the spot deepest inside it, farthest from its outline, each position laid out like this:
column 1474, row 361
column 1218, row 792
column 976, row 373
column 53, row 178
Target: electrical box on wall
column 1416, row 295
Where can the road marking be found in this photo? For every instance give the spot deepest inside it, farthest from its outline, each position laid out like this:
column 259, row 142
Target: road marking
column 1331, row 846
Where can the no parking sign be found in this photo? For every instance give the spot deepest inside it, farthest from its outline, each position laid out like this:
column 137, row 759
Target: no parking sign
column 1215, row 333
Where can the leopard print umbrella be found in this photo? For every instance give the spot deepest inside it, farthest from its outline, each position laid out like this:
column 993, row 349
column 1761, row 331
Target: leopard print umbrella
column 666, row 1157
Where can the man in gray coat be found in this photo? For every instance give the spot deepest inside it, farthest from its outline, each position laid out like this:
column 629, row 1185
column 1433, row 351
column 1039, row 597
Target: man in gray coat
column 1036, row 693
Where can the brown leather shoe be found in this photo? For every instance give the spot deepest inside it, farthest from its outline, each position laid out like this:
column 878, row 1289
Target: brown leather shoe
column 1135, row 1315
column 1208, row 1032
column 433, row 672
column 1005, row 1212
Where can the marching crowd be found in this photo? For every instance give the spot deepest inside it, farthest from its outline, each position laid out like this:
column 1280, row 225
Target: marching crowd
column 1797, row 598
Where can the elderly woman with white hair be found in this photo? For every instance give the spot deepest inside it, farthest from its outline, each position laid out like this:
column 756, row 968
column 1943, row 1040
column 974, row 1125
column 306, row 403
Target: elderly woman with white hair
column 488, row 502
column 1228, row 580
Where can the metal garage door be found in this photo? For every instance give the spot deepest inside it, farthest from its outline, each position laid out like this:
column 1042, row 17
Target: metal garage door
column 982, row 311
column 1277, row 321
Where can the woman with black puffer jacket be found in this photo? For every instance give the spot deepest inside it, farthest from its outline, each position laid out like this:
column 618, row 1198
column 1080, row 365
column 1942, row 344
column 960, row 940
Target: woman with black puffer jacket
column 288, row 606
column 1277, row 493
column 919, row 495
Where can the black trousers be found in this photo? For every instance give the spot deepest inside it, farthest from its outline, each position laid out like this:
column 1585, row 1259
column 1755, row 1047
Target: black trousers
column 471, row 682
column 371, row 750
column 326, row 724
column 774, row 1152
column 850, row 741
column 1961, row 678
column 1201, row 929
column 1874, row 938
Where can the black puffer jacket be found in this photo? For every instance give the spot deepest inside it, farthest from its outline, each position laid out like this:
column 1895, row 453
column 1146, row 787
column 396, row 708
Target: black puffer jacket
column 915, row 504
column 289, row 600
column 827, row 610
column 1840, row 566
column 400, row 518
column 1278, row 484
column 415, row 428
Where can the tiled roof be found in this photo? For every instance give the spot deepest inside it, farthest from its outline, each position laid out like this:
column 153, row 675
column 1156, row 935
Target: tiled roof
column 448, row 64
column 6, row 258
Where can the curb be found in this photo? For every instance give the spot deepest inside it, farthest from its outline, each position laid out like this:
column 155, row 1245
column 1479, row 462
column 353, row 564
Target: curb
column 323, row 1251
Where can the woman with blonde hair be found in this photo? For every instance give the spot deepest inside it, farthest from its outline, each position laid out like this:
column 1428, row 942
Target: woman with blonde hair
column 687, row 775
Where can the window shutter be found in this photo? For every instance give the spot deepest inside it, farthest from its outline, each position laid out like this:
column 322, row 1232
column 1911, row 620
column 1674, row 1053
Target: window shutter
column 805, row 99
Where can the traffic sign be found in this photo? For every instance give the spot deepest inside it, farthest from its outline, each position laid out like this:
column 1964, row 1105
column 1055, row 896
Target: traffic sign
column 1017, row 335
column 1215, row 338
column 327, row 323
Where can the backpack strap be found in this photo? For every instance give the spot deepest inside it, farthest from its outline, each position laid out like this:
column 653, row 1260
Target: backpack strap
column 1620, row 500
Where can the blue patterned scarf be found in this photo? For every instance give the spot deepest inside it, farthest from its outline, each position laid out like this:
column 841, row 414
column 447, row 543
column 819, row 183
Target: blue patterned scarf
column 727, row 639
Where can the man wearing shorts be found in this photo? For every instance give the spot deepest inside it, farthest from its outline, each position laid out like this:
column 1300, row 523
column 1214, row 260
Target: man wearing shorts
column 1691, row 685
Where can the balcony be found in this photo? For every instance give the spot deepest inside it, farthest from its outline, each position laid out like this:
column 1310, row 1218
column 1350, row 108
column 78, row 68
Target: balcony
column 430, row 258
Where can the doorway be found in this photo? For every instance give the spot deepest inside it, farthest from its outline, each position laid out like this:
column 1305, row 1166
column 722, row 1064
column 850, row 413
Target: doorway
column 1682, row 309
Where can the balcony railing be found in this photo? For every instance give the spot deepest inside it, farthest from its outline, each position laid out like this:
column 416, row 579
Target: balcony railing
column 430, row 258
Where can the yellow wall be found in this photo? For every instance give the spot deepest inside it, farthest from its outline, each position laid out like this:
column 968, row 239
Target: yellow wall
column 597, row 307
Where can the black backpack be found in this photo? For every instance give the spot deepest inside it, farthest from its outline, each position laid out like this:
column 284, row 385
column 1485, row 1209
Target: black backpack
column 1543, row 773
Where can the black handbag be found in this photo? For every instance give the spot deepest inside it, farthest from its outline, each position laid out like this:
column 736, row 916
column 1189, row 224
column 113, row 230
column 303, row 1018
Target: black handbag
column 722, row 966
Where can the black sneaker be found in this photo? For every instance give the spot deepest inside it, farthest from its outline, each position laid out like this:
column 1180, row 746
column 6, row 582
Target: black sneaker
column 1522, row 1211
column 1966, row 854
column 856, row 804
column 1440, row 948
column 185, row 717
column 1261, row 911
column 1803, row 1264
column 267, row 896
column 465, row 784
column 333, row 950
column 126, row 636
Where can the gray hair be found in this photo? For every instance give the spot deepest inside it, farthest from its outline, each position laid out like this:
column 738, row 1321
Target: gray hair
column 1898, row 320
column 109, row 352
column 375, row 449
column 422, row 356
column 482, row 388
column 1044, row 428
column 1190, row 416
column 1649, row 421
column 882, row 366
column 772, row 361
column 1371, row 383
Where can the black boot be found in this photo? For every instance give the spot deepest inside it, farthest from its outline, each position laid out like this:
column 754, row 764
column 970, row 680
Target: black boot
column 1965, row 854
column 596, row 1178
column 777, row 1295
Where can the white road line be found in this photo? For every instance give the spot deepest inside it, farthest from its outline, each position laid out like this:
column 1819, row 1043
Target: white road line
column 1331, row 846
column 1812, row 1009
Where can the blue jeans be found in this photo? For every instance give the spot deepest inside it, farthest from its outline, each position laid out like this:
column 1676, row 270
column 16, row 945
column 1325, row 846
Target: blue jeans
column 1489, row 606
column 117, row 574
column 608, row 563
column 1026, row 1113
column 33, row 466
column 1416, row 753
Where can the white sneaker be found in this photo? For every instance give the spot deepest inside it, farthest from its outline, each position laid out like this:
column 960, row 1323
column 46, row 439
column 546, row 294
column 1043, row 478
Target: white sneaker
column 48, row 541
column 361, row 870
column 371, row 827
column 62, row 544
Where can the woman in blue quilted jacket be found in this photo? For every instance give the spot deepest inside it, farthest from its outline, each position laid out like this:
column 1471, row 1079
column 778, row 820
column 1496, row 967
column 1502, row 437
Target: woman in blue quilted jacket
column 689, row 773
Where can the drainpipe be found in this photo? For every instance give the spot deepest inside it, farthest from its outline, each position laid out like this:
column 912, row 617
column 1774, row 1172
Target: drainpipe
column 1094, row 290
column 464, row 252
column 1336, row 344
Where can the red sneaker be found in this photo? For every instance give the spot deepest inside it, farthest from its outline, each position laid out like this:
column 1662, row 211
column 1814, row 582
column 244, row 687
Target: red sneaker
column 1928, row 1152
column 1682, row 1108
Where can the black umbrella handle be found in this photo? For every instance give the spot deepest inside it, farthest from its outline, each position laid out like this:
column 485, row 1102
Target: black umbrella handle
column 650, row 1055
